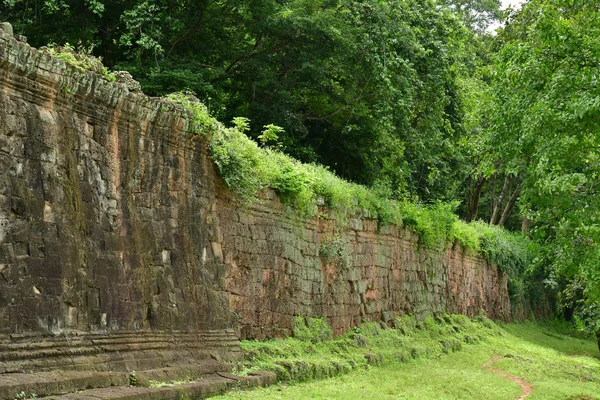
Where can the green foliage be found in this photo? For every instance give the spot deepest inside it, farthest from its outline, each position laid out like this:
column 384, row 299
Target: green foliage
column 476, row 14
column 241, row 162
column 80, row 58
column 202, row 122
column 270, row 134
column 23, row 396
column 468, row 235
column 312, row 330
column 513, row 253
column 132, row 379
column 434, row 224
column 545, row 126
column 142, row 34
column 292, row 181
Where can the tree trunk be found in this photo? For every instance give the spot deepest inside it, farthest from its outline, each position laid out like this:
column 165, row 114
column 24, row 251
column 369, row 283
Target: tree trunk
column 598, row 338
column 509, row 206
column 474, row 199
column 525, row 225
column 498, row 202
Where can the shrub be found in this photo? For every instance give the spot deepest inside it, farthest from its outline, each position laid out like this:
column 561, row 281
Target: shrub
column 434, row 224
column 312, row 330
column 240, row 162
column 202, row 122
column 80, row 58
column 292, row 181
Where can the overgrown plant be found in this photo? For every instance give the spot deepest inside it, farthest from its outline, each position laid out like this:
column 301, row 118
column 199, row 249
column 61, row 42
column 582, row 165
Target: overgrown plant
column 132, row 379
column 336, row 250
column 202, row 122
column 80, row 58
column 248, row 168
column 240, row 161
column 23, row 396
column 312, row 330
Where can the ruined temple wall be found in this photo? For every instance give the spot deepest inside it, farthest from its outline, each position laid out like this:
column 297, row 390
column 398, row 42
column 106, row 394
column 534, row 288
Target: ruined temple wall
column 280, row 266
column 105, row 221
column 113, row 219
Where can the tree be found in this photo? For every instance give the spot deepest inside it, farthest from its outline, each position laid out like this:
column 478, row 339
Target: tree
column 368, row 88
column 476, row 14
column 547, row 108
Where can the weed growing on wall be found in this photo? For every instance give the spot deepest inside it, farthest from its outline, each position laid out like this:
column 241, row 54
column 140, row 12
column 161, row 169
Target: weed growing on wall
column 248, row 168
column 336, row 250
column 23, row 396
column 80, row 58
column 240, row 161
column 435, row 224
column 511, row 253
column 200, row 117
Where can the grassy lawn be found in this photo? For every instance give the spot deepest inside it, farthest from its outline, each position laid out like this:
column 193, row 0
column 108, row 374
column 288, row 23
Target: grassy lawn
column 441, row 359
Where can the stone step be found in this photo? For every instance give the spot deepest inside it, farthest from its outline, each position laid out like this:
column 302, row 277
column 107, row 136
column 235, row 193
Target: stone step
column 181, row 372
column 206, row 386
column 122, row 351
column 44, row 384
column 58, row 382
column 16, row 346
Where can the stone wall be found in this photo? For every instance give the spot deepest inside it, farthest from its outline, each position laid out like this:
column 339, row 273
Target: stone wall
column 280, row 266
column 114, row 220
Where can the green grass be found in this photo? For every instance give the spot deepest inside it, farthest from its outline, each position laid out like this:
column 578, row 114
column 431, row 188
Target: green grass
column 436, row 359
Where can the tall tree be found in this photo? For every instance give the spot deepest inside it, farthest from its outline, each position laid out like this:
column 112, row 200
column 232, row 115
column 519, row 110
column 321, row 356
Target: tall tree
column 546, row 124
column 368, row 88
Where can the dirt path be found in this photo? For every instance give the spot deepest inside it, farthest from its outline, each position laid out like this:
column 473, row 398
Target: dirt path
column 525, row 386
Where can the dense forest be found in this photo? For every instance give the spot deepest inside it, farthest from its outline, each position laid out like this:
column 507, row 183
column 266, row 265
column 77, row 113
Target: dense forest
column 415, row 99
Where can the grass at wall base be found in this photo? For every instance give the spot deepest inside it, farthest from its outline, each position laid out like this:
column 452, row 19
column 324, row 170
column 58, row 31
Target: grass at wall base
column 438, row 358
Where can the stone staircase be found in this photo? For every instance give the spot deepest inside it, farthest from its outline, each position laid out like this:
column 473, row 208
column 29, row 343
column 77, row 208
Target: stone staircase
column 127, row 365
column 80, row 385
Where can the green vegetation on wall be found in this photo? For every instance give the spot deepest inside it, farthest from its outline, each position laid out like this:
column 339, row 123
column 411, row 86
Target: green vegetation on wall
column 80, row 58
column 248, row 168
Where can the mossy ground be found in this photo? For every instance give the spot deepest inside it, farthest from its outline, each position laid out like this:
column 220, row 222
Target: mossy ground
column 434, row 359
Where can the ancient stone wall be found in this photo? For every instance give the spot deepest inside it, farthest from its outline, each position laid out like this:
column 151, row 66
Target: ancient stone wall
column 114, row 220
column 280, row 266
column 105, row 213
